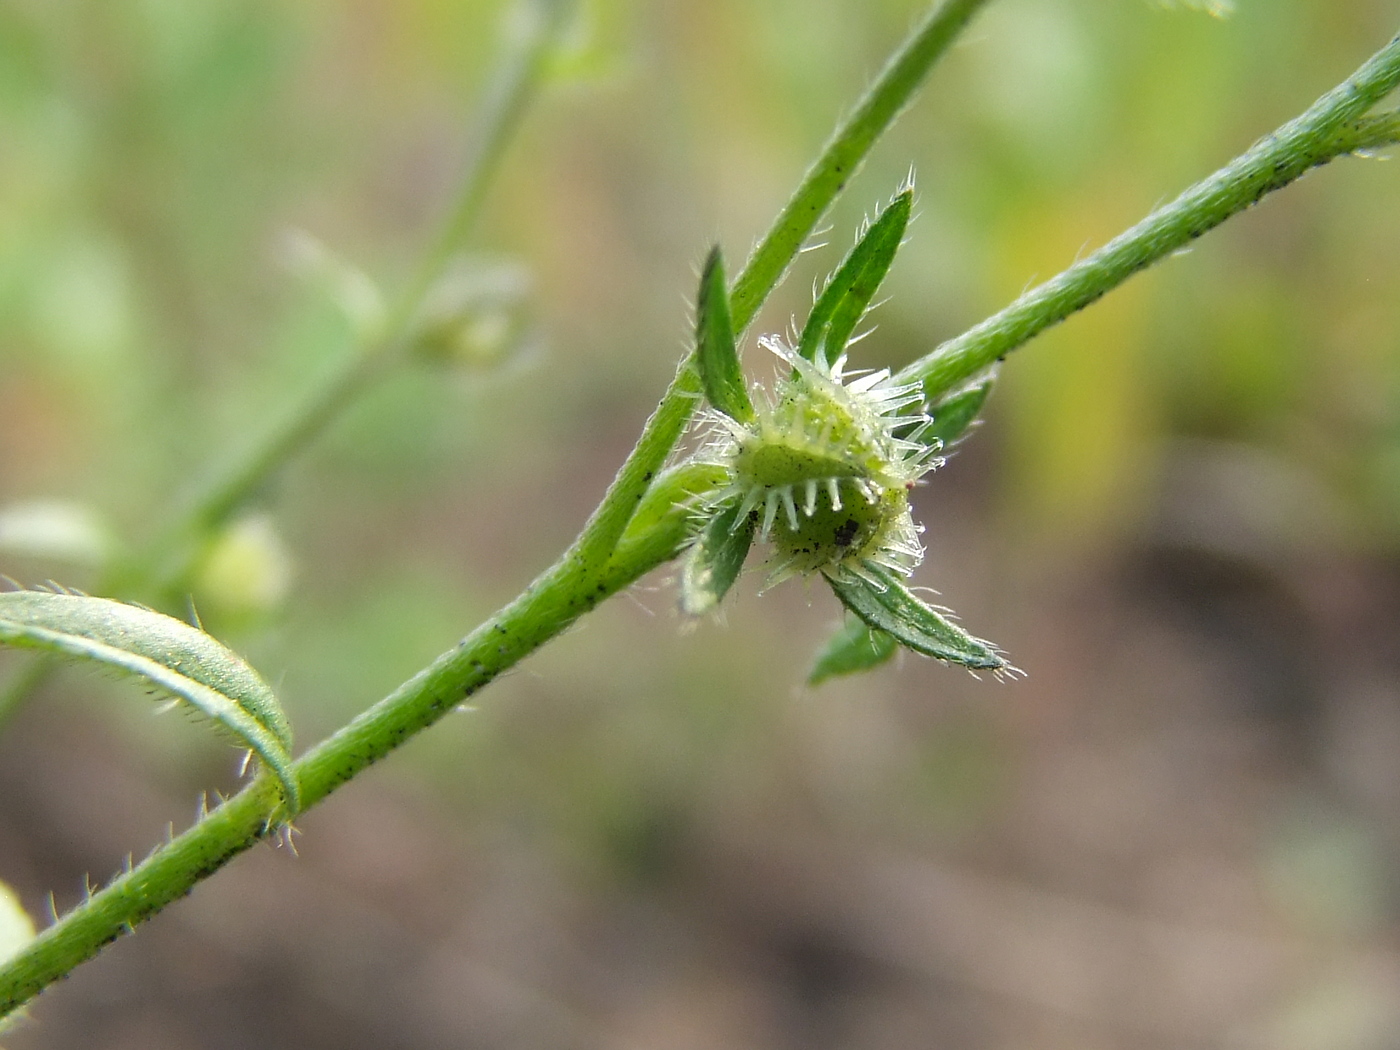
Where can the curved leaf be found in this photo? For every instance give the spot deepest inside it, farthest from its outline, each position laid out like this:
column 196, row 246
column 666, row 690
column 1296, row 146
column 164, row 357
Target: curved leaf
column 913, row 623
column 855, row 647
column 173, row 656
column 847, row 295
column 713, row 561
column 956, row 412
column 715, row 352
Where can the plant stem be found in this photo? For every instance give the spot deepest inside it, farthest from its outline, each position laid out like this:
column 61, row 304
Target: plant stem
column 839, row 161
column 546, row 608
column 538, row 25
column 844, row 153
column 1333, row 126
column 575, row 584
column 162, row 571
column 169, row 561
column 601, row 561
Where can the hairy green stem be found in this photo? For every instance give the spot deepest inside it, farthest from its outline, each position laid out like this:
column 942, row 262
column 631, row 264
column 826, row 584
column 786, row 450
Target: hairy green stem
column 575, row 584
column 546, row 608
column 605, row 557
column 1333, row 126
column 844, row 154
column 839, row 161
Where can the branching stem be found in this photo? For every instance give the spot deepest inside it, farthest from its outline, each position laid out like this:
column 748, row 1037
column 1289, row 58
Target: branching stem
column 840, row 159
column 161, row 572
column 609, row 556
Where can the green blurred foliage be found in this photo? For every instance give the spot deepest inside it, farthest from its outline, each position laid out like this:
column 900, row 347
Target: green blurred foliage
column 155, row 154
column 158, row 153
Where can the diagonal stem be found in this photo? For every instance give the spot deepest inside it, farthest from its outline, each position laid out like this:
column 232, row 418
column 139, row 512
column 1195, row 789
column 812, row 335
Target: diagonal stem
column 1333, row 126
column 839, row 161
column 605, row 558
column 573, row 586
column 163, row 569
column 545, row 609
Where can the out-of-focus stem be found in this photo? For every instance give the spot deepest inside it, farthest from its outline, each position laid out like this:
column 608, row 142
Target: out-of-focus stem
column 1335, row 125
column 167, row 564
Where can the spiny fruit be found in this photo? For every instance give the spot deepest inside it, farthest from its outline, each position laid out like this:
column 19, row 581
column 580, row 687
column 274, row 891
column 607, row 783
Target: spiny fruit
column 821, row 468
column 827, row 466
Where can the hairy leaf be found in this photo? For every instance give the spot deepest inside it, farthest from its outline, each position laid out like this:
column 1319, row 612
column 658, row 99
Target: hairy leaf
column 173, row 656
column 716, row 354
column 674, row 487
column 847, row 295
column 855, row 647
column 665, row 520
column 713, row 562
column 956, row 412
column 913, row 623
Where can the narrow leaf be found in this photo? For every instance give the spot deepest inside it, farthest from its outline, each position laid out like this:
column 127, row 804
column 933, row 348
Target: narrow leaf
column 846, row 297
column 173, row 656
column 716, row 353
column 956, row 412
column 665, row 522
column 846, row 150
column 347, row 288
column 675, row 487
column 713, row 561
column 913, row 623
column 855, row 647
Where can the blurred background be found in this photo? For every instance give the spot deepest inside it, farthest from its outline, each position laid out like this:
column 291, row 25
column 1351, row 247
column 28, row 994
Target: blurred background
column 1181, row 517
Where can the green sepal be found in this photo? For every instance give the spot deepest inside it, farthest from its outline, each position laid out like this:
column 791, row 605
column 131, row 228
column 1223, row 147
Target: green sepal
column 715, row 352
column 712, row 563
column 955, row 413
column 675, row 488
column 847, row 295
column 914, row 624
column 665, row 519
column 172, row 656
column 855, row 647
